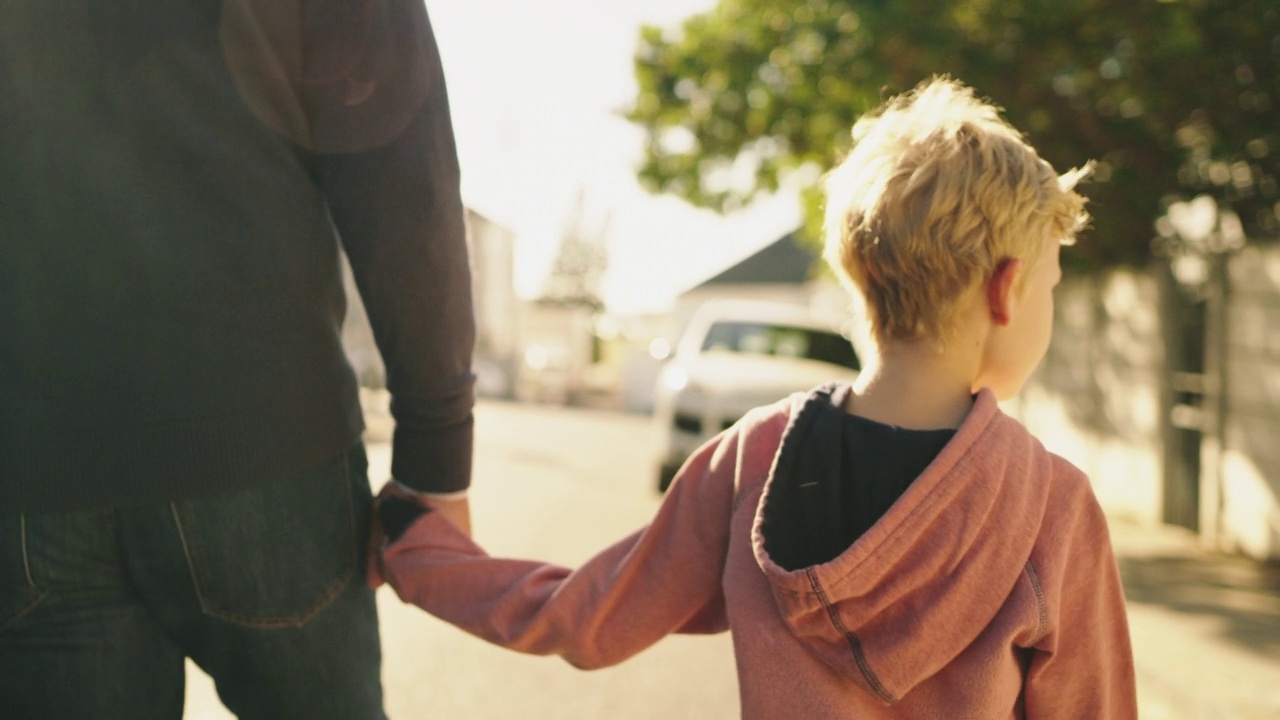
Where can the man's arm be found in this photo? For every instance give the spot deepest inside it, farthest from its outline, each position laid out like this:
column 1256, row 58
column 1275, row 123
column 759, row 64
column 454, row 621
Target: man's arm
column 387, row 165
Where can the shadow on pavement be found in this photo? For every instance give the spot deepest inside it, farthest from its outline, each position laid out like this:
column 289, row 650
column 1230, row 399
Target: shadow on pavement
column 1242, row 595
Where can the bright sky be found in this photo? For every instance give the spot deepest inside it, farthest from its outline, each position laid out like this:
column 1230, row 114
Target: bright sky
column 535, row 88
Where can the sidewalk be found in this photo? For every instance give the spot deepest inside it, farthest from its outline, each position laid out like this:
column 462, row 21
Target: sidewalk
column 1205, row 627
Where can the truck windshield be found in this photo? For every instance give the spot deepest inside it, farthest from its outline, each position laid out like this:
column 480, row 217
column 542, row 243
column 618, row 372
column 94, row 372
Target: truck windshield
column 780, row 340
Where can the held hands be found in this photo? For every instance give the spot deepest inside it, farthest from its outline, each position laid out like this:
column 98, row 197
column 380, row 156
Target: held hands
column 395, row 510
column 457, row 511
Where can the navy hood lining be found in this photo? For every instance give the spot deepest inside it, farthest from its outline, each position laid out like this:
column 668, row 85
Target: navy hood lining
column 803, row 514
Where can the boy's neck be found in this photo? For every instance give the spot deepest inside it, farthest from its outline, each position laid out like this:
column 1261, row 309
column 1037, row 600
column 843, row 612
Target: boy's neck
column 910, row 384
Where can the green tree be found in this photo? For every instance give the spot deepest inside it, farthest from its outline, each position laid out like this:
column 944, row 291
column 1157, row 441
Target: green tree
column 1172, row 98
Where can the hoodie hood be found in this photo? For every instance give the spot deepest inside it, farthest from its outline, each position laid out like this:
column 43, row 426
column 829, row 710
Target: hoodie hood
column 915, row 590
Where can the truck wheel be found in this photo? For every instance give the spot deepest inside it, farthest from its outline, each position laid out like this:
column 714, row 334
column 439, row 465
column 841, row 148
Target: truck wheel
column 666, row 473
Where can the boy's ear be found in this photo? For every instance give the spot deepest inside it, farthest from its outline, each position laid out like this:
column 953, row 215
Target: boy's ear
column 1001, row 290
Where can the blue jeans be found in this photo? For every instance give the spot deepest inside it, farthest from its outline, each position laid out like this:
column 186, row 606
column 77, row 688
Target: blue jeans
column 263, row 588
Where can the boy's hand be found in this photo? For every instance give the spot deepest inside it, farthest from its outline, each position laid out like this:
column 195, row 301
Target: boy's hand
column 397, row 514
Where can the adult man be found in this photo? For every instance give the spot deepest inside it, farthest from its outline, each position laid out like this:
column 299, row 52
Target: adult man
column 180, row 467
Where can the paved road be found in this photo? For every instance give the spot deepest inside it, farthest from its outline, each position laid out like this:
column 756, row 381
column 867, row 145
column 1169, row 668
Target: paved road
column 554, row 484
column 1205, row 627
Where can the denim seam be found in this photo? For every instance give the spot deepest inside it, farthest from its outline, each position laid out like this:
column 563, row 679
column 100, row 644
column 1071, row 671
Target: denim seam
column 280, row 621
column 26, row 563
column 26, row 568
column 186, row 553
column 22, row 612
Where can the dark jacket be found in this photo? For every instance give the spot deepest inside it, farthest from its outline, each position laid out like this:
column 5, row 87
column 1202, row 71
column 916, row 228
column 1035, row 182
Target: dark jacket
column 175, row 180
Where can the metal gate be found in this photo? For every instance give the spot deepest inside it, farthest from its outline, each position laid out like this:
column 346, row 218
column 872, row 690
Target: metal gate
column 1183, row 328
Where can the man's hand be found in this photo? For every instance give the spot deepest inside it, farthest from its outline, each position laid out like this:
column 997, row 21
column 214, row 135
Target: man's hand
column 456, row 511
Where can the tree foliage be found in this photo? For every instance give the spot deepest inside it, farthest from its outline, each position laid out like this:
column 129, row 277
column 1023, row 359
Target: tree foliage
column 1171, row 97
column 581, row 260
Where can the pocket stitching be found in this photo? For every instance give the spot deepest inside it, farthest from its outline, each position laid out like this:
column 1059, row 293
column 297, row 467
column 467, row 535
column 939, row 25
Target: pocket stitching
column 274, row 621
column 26, row 569
column 40, row 596
column 22, row 538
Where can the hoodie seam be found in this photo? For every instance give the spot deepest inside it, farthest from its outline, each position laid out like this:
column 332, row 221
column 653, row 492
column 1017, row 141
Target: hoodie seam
column 855, row 645
column 740, row 496
column 1042, row 623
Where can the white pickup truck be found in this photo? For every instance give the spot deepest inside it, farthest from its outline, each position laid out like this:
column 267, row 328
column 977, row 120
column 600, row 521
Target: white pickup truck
column 735, row 356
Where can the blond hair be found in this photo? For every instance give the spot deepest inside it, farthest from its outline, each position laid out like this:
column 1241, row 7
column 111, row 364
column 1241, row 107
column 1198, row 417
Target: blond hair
column 936, row 191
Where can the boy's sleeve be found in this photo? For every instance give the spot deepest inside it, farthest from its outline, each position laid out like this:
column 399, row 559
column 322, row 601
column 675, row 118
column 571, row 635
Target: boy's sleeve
column 664, row 578
column 1083, row 665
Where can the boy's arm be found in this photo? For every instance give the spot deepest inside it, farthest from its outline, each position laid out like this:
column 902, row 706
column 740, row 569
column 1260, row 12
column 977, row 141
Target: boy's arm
column 1083, row 665
column 662, row 579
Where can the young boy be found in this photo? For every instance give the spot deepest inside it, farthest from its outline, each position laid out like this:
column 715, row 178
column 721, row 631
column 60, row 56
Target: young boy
column 898, row 548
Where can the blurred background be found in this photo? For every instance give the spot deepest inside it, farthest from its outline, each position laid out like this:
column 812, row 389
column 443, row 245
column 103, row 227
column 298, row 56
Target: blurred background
column 625, row 162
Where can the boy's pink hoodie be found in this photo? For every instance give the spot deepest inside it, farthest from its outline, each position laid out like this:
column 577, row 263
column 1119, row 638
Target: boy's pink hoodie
column 989, row 590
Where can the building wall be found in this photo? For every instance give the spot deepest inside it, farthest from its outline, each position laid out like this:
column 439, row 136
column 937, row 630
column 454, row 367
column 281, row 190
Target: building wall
column 497, row 312
column 357, row 336
column 556, row 352
column 1250, row 512
column 1095, row 399
column 497, row 309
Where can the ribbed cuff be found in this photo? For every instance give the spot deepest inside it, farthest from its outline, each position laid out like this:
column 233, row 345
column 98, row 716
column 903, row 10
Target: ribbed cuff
column 433, row 459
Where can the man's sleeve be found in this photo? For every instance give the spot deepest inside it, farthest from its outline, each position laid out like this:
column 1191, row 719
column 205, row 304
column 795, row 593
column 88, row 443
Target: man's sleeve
column 386, row 162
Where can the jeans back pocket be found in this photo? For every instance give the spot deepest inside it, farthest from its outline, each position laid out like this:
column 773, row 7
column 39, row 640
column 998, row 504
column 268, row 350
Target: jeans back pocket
column 276, row 554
